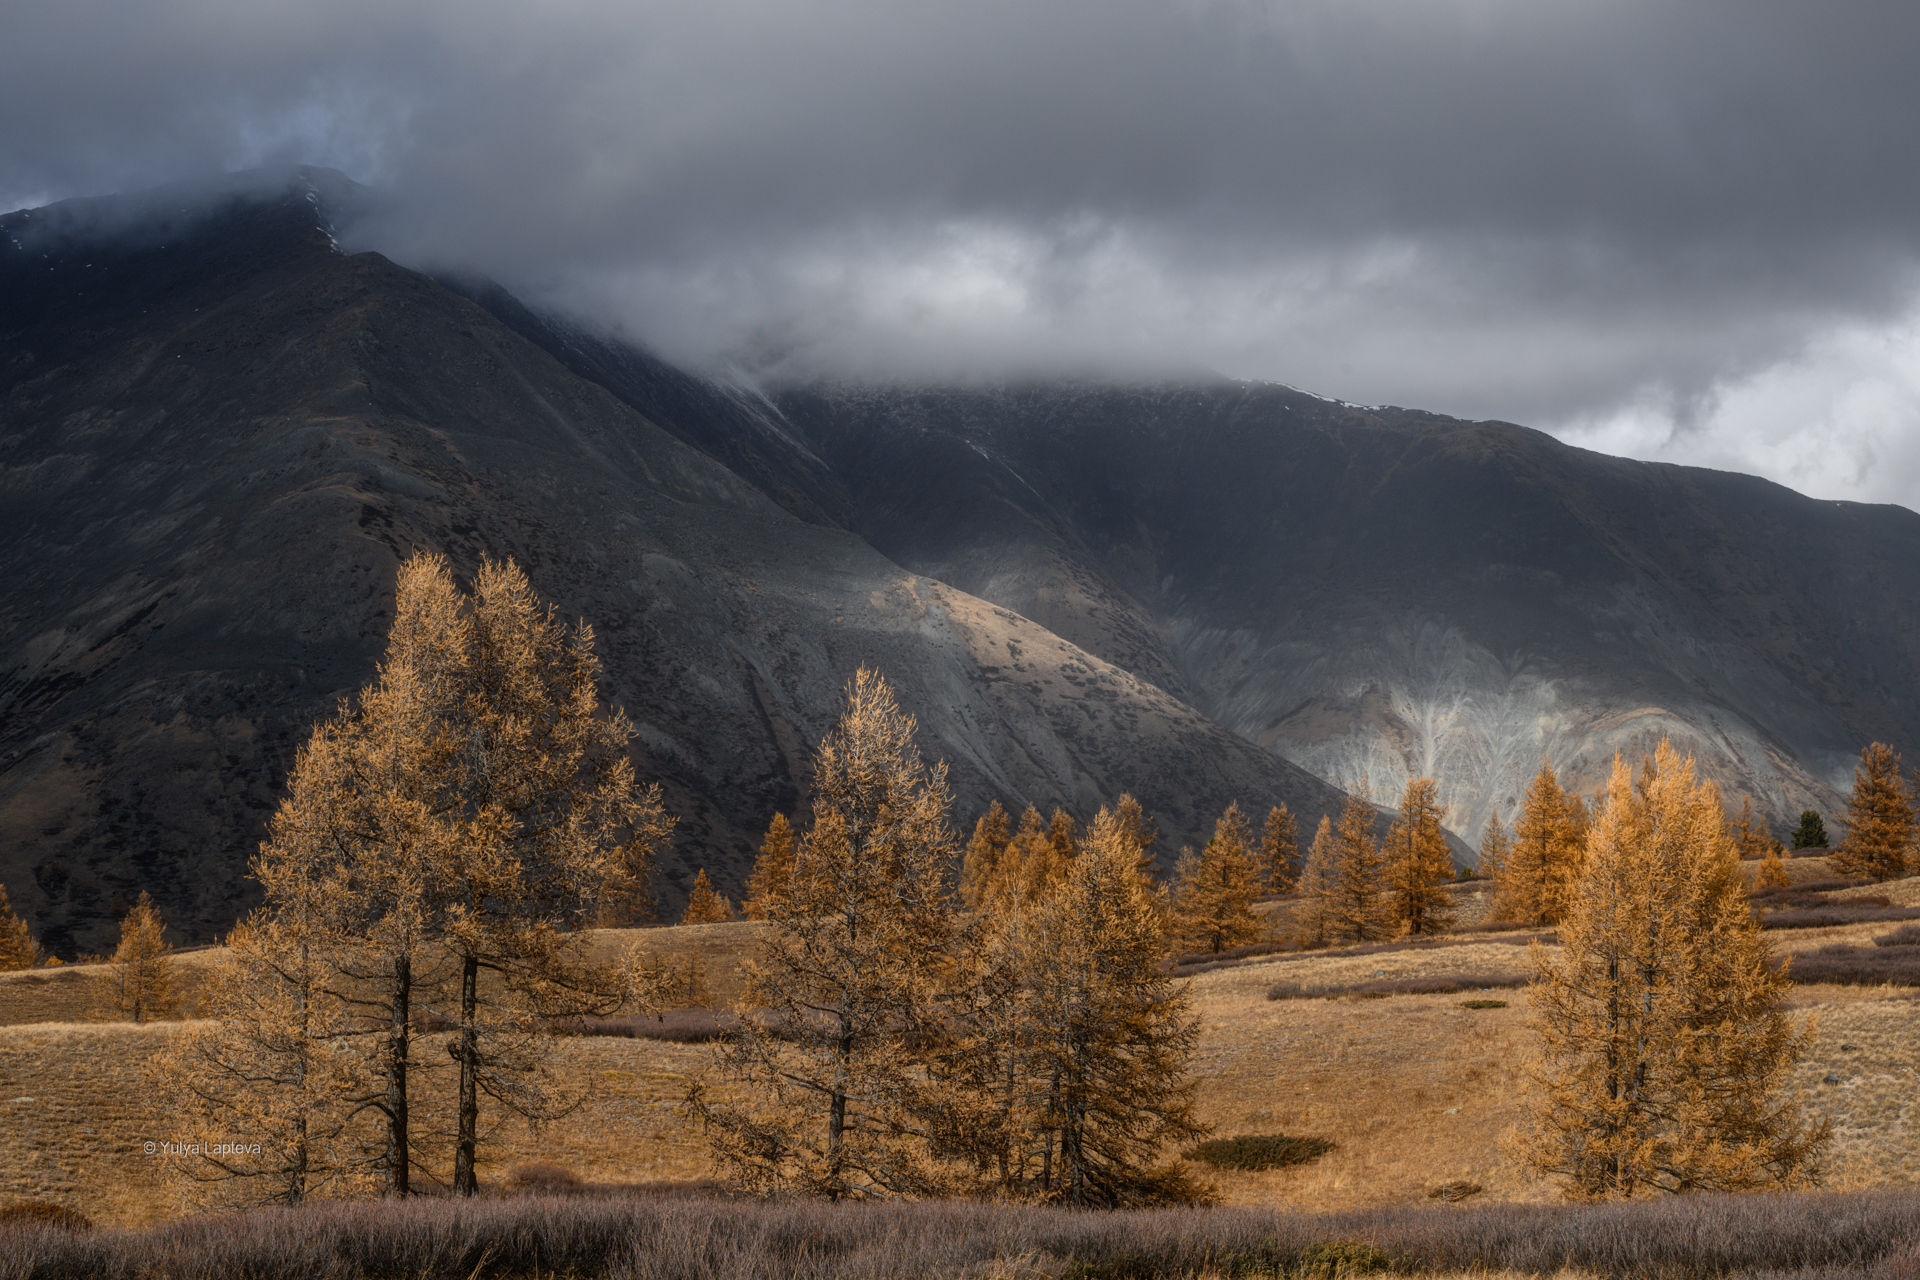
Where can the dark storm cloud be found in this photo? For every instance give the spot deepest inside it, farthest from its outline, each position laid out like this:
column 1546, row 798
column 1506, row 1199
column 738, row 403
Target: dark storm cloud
column 1611, row 216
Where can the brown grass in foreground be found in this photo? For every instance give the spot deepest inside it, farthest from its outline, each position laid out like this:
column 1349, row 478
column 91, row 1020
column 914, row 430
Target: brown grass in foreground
column 1866, row 1235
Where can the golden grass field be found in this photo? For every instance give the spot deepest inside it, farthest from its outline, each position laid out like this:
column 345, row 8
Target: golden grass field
column 1414, row 1090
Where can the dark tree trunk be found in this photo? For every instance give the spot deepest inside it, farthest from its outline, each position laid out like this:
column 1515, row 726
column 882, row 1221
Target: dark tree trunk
column 399, row 1048
column 465, row 1181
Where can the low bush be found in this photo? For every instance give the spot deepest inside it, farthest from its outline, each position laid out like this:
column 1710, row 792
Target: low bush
column 1876, row 966
column 1209, row 958
column 1377, row 987
column 1802, row 890
column 541, row 1176
column 1835, row 1235
column 1907, row 935
column 1483, row 1004
column 1250, row 1151
column 1834, row 914
column 1455, row 1192
column 677, row 1026
column 46, row 1214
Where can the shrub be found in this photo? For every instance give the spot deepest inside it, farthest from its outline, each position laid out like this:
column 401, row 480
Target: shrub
column 1827, row 917
column 1907, row 935
column 676, row 1026
column 46, row 1214
column 542, row 1177
column 1483, row 1004
column 1379, row 987
column 1454, row 1192
column 1231, row 953
column 1811, row 890
column 1252, row 1151
column 1876, row 966
column 1344, row 1258
column 1833, row 1235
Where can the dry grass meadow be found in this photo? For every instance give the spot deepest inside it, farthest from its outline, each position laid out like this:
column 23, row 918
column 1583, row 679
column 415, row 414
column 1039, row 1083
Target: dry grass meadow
column 1414, row 1090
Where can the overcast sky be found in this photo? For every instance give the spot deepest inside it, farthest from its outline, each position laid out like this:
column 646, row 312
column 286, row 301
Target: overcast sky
column 1680, row 231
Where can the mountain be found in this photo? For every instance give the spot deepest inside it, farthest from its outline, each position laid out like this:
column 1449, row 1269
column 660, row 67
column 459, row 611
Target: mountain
column 1371, row 593
column 219, row 435
column 1383, row 593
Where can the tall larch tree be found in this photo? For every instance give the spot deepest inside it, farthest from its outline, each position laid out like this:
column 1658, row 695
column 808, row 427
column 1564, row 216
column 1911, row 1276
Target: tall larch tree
column 772, row 871
column 141, row 981
column 468, row 813
column 549, row 819
column 1111, row 1038
column 980, row 869
column 1495, row 850
column 1419, row 864
column 1356, row 911
column 18, row 947
column 1665, row 1051
column 1214, row 889
column 830, row 1094
column 1279, row 851
column 704, row 905
column 1318, row 888
column 1879, row 840
column 1545, row 858
column 371, row 813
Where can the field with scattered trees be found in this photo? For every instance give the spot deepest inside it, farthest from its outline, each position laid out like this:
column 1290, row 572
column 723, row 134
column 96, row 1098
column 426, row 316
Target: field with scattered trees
column 1641, row 1038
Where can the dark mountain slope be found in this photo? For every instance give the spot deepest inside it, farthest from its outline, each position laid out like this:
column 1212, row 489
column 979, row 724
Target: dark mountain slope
column 218, row 438
column 1390, row 592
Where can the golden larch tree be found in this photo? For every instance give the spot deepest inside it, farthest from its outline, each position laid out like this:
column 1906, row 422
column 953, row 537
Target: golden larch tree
column 1279, row 851
column 1665, row 1053
column 470, row 811
column 1214, row 890
column 370, row 813
column 1545, row 857
column 1022, row 865
column 1318, row 885
column 772, row 871
column 1751, row 840
column 273, row 1064
column 1030, row 862
column 18, row 948
column 1879, row 836
column 704, row 905
column 1047, row 860
column 980, row 869
column 1355, row 910
column 549, row 819
column 141, row 981
column 1419, row 864
column 1772, row 871
column 1110, row 1037
column 1495, row 848
column 846, row 995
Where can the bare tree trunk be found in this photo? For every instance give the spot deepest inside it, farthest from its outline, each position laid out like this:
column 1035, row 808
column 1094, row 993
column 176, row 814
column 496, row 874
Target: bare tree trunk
column 837, row 1114
column 465, row 1182
column 399, row 1047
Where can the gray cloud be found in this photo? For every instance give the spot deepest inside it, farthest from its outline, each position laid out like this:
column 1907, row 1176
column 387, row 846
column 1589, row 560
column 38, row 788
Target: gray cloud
column 1647, row 226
